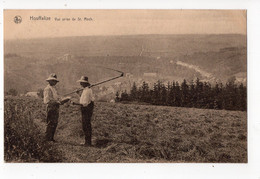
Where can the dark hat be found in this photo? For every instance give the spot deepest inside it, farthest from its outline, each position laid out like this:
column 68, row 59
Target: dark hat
column 83, row 79
column 53, row 77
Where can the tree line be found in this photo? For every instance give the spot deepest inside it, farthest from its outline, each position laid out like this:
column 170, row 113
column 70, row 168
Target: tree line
column 198, row 94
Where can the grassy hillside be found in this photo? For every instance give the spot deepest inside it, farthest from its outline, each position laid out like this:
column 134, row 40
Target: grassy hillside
column 142, row 133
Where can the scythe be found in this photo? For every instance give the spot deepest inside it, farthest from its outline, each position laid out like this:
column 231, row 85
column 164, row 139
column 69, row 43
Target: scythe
column 98, row 83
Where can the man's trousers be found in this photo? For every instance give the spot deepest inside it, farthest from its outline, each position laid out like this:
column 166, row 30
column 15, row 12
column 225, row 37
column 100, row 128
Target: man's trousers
column 52, row 121
column 86, row 122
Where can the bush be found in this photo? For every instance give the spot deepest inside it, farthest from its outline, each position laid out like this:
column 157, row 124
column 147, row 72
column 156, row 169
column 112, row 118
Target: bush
column 23, row 141
column 10, row 55
column 12, row 92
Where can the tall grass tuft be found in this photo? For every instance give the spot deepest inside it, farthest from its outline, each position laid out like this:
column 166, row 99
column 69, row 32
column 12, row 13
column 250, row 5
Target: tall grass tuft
column 23, row 141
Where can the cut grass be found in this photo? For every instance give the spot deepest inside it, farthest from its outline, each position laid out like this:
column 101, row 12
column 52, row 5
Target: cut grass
column 144, row 133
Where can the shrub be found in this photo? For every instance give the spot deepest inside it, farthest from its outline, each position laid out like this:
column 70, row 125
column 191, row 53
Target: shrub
column 12, row 92
column 22, row 138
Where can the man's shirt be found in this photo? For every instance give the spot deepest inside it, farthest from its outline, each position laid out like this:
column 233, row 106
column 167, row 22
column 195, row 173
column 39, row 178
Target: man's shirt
column 50, row 93
column 86, row 97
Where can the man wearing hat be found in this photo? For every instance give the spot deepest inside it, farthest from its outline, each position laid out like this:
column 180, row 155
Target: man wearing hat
column 87, row 104
column 53, row 103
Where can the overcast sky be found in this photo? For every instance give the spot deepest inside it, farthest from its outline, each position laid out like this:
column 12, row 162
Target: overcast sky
column 123, row 22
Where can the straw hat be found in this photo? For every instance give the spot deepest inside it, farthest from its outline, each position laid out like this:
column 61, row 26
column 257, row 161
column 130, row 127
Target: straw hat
column 53, row 77
column 83, row 79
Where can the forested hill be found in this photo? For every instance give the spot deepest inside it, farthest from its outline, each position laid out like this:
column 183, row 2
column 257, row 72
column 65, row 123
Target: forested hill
column 147, row 58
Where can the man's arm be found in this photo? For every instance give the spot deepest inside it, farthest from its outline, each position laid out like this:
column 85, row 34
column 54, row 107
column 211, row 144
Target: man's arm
column 47, row 97
column 92, row 98
column 64, row 100
column 84, row 96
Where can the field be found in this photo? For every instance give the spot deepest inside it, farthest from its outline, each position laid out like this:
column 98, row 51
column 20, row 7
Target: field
column 127, row 133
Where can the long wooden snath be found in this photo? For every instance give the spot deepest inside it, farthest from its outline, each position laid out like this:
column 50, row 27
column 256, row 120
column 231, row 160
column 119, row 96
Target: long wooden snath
column 78, row 90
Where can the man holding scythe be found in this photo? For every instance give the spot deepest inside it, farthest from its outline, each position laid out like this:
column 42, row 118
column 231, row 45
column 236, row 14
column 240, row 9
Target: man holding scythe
column 86, row 103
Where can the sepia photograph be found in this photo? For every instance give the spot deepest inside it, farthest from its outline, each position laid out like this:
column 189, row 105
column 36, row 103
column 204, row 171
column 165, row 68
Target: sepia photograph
column 125, row 86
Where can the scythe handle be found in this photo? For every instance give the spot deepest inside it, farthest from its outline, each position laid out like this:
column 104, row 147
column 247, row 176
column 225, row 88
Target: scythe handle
column 78, row 90
column 122, row 74
column 107, row 80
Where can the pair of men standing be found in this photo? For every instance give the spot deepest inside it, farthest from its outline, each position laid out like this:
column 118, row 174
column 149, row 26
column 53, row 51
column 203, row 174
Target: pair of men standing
column 53, row 102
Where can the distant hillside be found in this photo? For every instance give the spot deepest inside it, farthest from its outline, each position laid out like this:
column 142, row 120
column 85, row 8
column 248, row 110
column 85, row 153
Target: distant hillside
column 25, row 74
column 144, row 57
column 222, row 64
column 132, row 45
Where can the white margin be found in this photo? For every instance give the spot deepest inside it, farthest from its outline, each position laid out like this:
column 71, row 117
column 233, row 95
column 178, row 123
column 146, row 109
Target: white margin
column 250, row 170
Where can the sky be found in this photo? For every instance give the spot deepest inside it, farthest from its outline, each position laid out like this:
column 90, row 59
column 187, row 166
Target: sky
column 123, row 22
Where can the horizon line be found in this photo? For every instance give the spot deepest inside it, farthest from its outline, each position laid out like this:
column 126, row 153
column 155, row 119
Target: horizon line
column 36, row 38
